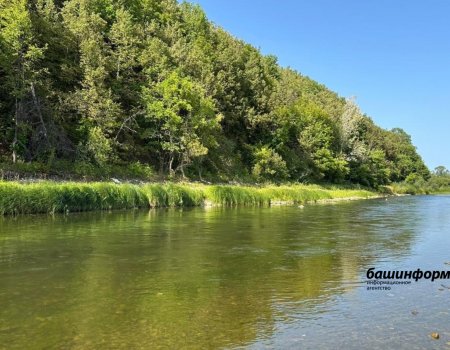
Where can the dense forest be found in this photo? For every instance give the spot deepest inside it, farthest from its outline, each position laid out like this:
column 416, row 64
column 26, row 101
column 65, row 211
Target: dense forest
column 153, row 83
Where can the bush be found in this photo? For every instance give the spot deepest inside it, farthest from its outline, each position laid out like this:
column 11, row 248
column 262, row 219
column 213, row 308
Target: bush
column 269, row 165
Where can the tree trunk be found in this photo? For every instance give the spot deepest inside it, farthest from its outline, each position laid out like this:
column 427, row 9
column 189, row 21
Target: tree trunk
column 199, row 168
column 16, row 126
column 170, row 165
column 38, row 109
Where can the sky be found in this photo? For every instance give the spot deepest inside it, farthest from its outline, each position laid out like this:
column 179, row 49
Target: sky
column 392, row 55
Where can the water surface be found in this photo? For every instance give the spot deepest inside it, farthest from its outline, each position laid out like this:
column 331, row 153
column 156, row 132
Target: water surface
column 238, row 278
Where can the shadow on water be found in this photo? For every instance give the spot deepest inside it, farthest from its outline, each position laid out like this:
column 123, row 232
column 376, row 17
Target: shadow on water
column 197, row 278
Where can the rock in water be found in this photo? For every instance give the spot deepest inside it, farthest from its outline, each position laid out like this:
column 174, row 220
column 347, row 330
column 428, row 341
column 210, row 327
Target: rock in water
column 435, row 335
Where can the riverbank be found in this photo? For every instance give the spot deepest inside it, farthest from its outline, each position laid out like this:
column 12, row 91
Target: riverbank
column 50, row 197
column 420, row 188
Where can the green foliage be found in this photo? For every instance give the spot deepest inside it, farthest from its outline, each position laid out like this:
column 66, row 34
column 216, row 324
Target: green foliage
column 331, row 167
column 372, row 171
column 413, row 178
column 269, row 165
column 441, row 171
column 438, row 182
column 106, row 83
column 182, row 119
column 98, row 147
column 80, row 170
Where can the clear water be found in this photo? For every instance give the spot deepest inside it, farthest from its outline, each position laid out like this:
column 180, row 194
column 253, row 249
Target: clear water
column 253, row 278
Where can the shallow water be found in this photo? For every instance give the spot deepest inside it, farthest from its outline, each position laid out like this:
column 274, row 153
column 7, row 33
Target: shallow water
column 257, row 278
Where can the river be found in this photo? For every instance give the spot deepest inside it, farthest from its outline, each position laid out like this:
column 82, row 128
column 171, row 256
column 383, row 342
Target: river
column 227, row 278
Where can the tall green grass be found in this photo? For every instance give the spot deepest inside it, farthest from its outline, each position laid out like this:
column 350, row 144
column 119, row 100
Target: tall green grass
column 413, row 189
column 236, row 195
column 297, row 193
column 49, row 197
column 173, row 195
column 421, row 187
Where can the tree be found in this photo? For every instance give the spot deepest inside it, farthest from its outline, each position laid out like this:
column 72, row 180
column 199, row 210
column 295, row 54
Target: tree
column 352, row 129
column 182, row 119
column 269, row 165
column 318, row 138
column 441, row 171
column 126, row 38
column 21, row 65
column 94, row 101
column 373, row 171
column 154, row 81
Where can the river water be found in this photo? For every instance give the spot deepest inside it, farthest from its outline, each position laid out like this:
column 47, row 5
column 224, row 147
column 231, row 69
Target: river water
column 227, row 278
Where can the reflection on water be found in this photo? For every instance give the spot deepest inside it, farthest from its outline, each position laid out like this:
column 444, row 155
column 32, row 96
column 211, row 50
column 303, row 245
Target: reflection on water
column 224, row 278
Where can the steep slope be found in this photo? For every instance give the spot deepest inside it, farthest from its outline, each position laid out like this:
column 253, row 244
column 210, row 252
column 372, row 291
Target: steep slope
column 101, row 82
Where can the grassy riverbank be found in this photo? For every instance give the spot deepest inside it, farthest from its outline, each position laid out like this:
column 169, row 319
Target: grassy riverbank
column 420, row 188
column 49, row 197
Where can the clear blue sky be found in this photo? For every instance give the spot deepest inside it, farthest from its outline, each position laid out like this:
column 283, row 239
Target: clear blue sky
column 393, row 55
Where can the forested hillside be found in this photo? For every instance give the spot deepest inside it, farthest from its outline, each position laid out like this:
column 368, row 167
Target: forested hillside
column 153, row 83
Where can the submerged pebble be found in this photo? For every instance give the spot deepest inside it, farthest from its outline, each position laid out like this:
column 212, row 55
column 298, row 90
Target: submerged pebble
column 435, row 335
